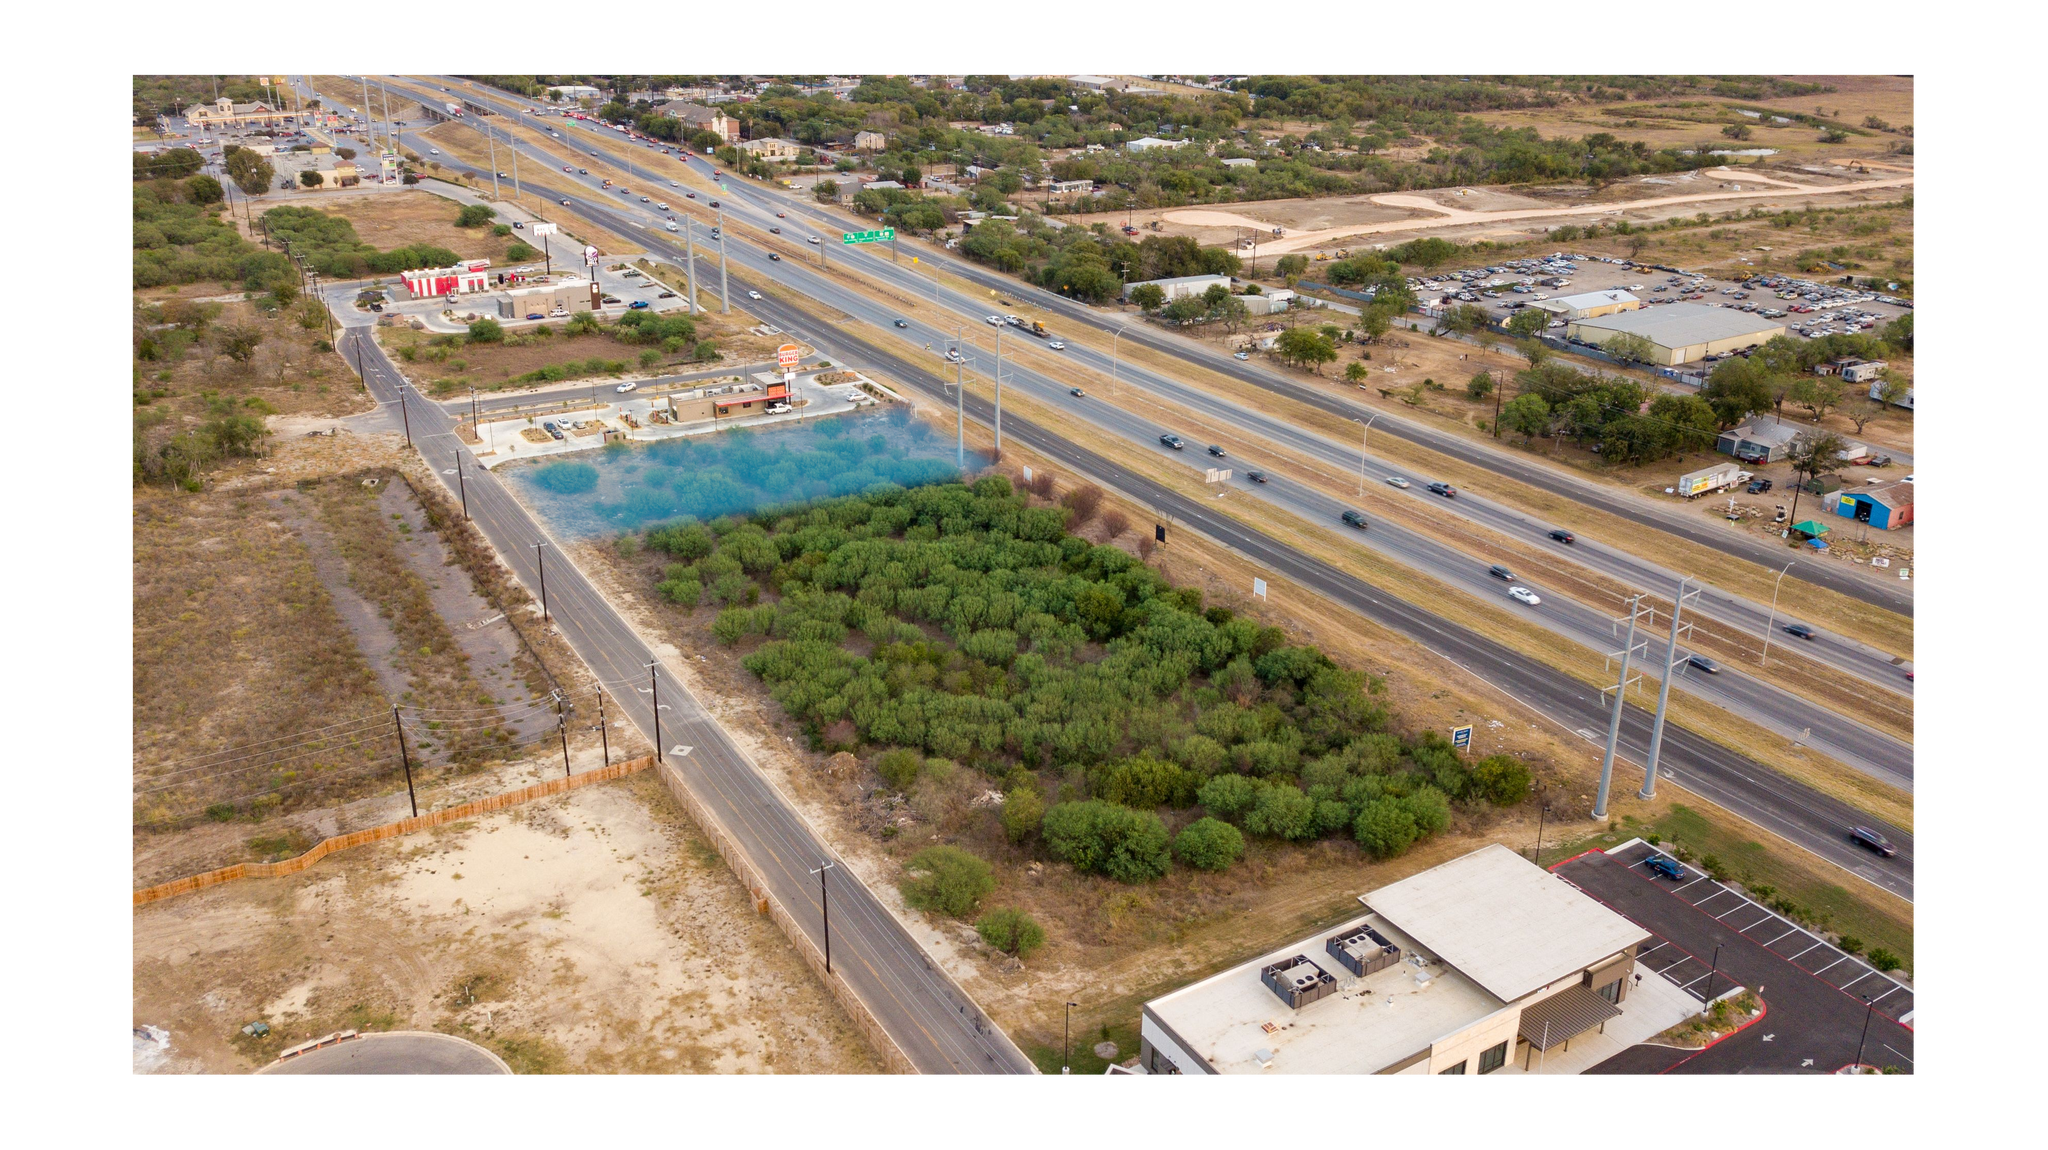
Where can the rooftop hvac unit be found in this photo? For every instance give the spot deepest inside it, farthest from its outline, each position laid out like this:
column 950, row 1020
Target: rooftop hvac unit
column 1297, row 981
column 1362, row 950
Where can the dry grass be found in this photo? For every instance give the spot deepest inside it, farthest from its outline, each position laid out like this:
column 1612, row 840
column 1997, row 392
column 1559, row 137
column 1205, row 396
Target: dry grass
column 390, row 219
column 289, row 373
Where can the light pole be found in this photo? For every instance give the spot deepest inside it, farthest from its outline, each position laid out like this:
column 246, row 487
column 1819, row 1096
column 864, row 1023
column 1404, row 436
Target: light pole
column 1712, row 970
column 1540, row 815
column 1869, row 1008
column 1067, row 1041
column 1112, row 355
column 825, row 904
column 999, row 393
column 654, row 689
column 540, row 556
column 1364, row 429
column 1765, row 659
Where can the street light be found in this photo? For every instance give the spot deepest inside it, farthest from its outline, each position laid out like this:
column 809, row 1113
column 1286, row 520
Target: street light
column 1869, row 1007
column 1067, row 1041
column 1772, row 625
column 1112, row 356
column 1361, row 452
column 1540, row 815
column 825, row 903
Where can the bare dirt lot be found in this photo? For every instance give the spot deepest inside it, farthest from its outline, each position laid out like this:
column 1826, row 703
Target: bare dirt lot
column 597, row 932
column 387, row 218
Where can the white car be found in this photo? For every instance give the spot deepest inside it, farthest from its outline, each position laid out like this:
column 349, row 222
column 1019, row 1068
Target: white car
column 627, row 386
column 995, row 321
column 433, row 151
column 670, row 226
column 1524, row 595
column 1397, row 481
column 1056, row 345
column 673, row 184
column 753, row 295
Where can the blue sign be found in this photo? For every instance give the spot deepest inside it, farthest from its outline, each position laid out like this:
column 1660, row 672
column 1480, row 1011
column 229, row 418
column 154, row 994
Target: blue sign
column 1461, row 738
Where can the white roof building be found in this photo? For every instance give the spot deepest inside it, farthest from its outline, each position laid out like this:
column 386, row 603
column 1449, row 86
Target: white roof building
column 1588, row 304
column 1147, row 143
column 1454, row 971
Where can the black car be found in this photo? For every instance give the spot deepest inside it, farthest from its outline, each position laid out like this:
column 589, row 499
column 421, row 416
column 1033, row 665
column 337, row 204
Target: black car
column 1801, row 631
column 1500, row 572
column 902, row 323
column 776, row 231
column 1564, row 537
column 775, row 256
column 1173, row 441
column 1217, row 451
column 1758, row 486
column 1076, row 392
column 1355, row 519
column 1255, row 476
column 714, row 203
column 1873, row 840
column 1704, row 664
column 665, row 295
column 1444, row 489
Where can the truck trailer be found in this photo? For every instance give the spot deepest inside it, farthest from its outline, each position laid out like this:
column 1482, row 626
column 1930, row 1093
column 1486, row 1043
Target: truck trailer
column 1706, row 481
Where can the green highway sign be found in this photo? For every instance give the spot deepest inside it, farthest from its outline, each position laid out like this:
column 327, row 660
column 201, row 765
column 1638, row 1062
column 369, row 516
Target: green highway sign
column 868, row 237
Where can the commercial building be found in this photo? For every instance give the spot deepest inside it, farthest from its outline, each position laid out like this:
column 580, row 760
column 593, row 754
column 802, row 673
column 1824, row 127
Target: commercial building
column 1887, row 507
column 464, row 278
column 1589, row 305
column 576, row 91
column 703, row 119
column 1681, row 332
column 772, row 149
column 225, row 113
column 564, row 296
column 870, row 141
column 1063, row 187
column 728, row 399
column 1485, row 960
column 1759, row 442
column 1180, row 286
column 1147, row 143
column 335, row 173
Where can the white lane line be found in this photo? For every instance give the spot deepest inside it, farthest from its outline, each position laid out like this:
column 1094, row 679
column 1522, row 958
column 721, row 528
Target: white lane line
column 1757, row 923
column 1831, row 966
column 1885, row 995
column 1894, row 1050
column 1804, row 951
column 1711, row 897
column 1694, row 882
column 1781, row 938
column 1732, row 910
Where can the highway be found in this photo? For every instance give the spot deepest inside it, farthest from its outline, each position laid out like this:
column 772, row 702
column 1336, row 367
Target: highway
column 1790, row 716
column 937, row 1026
column 1844, row 737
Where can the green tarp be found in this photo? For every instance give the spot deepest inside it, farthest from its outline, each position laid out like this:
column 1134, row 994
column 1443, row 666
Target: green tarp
column 1810, row 527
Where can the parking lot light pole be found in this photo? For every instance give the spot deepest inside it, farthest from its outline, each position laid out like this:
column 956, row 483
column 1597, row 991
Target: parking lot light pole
column 1772, row 624
column 1712, row 970
column 1869, row 1007
column 1540, row 816
column 1067, row 1041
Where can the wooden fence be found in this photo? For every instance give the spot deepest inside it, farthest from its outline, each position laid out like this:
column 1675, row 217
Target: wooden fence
column 327, row 847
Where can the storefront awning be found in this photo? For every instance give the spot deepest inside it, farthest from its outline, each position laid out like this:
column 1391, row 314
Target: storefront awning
column 1564, row 1016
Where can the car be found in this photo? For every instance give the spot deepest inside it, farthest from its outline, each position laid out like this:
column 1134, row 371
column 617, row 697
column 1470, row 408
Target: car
column 1444, row 489
column 1173, row 441
column 1076, row 392
column 1013, row 321
column 714, row 203
column 552, row 430
column 902, row 323
column 1704, row 664
column 1242, row 355
column 1255, row 476
column 1354, row 519
column 580, row 171
column 1870, row 838
column 630, row 273
column 782, row 215
column 814, row 239
column 518, row 226
column 953, row 354
column 670, row 226
column 690, row 195
column 665, row 295
column 1524, row 595
column 433, row 151
column 753, row 295
column 535, row 315
column 565, row 203
column 995, row 321
column 779, row 409
column 1500, row 572
column 1664, row 866
column 774, row 231
column 1801, row 631
column 1397, row 481
column 776, row 256
column 1217, row 451
column 662, row 205
column 1056, row 345
column 673, row 184
column 1564, row 537
column 638, row 305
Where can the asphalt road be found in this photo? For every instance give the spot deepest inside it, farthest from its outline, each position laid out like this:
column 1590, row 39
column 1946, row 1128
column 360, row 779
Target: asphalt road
column 936, row 1024
column 1802, row 815
column 405, row 1052
column 1788, row 715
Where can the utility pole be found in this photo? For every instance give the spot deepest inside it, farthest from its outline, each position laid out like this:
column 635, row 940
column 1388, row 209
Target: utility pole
column 960, row 414
column 603, row 733
column 406, row 758
column 515, row 166
column 1649, row 790
column 562, row 727
column 491, row 138
column 1499, row 389
column 724, row 295
column 654, row 687
column 690, row 265
column 999, row 393
column 1614, row 721
column 405, row 413
column 540, row 555
column 825, row 904
column 461, row 483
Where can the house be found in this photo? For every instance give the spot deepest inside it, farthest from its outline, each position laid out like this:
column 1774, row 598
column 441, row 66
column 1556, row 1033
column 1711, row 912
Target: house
column 703, row 119
column 1758, row 442
column 772, row 149
column 1862, row 371
column 1240, row 162
column 870, row 142
column 1877, row 392
column 1887, row 507
column 1063, row 187
column 1147, row 143
column 1484, row 963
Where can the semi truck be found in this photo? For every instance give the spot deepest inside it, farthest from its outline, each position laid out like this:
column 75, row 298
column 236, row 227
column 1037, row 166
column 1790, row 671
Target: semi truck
column 1038, row 329
column 454, row 109
column 1706, row 481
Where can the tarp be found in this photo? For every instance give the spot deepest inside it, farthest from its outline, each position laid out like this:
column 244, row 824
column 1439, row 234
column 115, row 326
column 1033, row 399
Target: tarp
column 1810, row 527
column 1817, row 544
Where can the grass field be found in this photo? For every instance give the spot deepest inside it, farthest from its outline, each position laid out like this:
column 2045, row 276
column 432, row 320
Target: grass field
column 392, row 219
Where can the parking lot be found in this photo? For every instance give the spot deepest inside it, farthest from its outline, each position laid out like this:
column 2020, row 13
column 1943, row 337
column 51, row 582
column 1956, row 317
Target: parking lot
column 1709, row 938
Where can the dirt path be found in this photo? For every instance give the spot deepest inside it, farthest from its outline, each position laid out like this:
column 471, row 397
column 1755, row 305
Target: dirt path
column 1442, row 216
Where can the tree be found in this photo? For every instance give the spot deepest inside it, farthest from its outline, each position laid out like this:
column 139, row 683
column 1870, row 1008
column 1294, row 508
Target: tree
column 1309, row 348
column 1010, row 930
column 1282, row 811
column 1627, row 347
column 1691, row 420
column 1228, row 796
column 1812, row 457
column 203, row 190
column 1099, row 837
column 519, row 250
column 1209, row 844
column 1148, row 297
column 947, row 880
column 239, row 342
column 1736, row 389
column 1479, row 386
column 1463, row 319
column 1290, row 267
column 899, row 768
column 1356, row 372
column 250, row 172
column 1637, row 241
column 1385, row 828
column 1892, row 388
column 1860, row 412
column 1816, row 393
column 1528, row 323
column 1737, row 132
column 1501, row 780
column 1023, row 810
column 309, row 178
column 1527, row 414
column 486, row 330
column 475, row 216
column 1375, row 321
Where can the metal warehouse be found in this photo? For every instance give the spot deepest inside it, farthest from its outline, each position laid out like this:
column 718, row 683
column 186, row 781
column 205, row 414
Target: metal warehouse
column 1681, row 332
column 1886, row 508
column 1590, row 305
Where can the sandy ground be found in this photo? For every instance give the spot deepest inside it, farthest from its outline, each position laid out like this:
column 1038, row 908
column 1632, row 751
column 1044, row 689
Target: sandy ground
column 596, row 932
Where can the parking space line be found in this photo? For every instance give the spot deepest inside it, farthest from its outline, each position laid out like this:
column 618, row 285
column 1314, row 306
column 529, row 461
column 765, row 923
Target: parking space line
column 1694, row 882
column 1792, row 957
column 1894, row 1050
column 1718, row 892
column 1885, row 995
column 1757, row 923
column 1732, row 910
column 1829, row 966
column 1688, row 986
column 1859, row 978
column 1649, row 952
column 1781, row 938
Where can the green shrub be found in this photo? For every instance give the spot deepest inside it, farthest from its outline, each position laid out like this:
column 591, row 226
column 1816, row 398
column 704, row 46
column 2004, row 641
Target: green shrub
column 1209, row 844
column 1104, row 838
column 1023, row 810
column 1228, row 796
column 1885, row 960
column 1850, row 944
column 1430, row 809
column 947, row 880
column 1502, row 779
column 1009, row 929
column 486, row 330
column 899, row 767
column 221, row 812
column 474, row 216
column 1384, row 828
column 1282, row 812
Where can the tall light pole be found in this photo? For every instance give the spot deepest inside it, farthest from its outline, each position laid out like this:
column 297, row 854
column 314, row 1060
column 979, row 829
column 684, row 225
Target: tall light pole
column 1363, row 431
column 1772, row 625
column 1869, row 1008
column 1540, row 816
column 724, row 296
column 1620, row 700
column 825, row 904
column 1112, row 355
column 999, row 393
column 541, row 557
column 1067, row 1041
column 1649, row 790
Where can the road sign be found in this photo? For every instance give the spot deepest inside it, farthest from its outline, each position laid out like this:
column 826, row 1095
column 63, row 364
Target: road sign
column 545, row 229
column 1258, row 588
column 1461, row 737
column 867, row 237
column 788, row 356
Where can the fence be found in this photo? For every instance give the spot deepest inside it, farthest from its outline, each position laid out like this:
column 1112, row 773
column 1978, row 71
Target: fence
column 327, row 847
